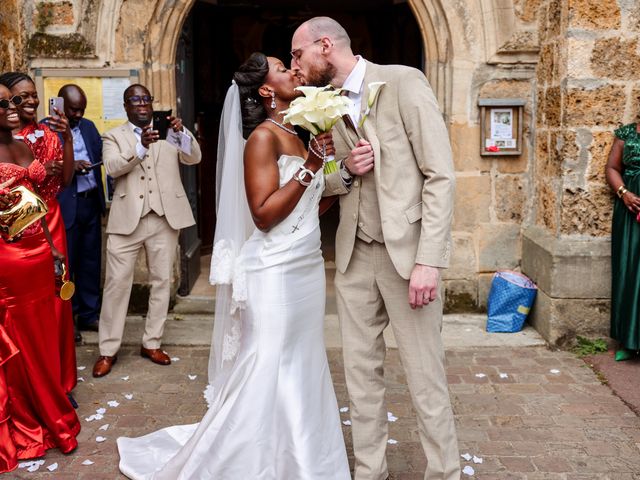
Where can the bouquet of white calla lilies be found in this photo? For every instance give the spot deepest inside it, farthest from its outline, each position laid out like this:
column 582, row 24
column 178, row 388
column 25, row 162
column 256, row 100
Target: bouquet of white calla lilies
column 374, row 90
column 318, row 111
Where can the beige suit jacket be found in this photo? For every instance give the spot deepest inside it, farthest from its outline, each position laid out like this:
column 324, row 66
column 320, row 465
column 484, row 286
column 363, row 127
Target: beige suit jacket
column 413, row 171
column 126, row 168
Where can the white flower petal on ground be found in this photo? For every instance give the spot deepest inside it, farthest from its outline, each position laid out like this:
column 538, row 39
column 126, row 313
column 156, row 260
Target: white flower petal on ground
column 100, row 439
column 88, row 462
column 477, row 459
column 468, row 470
column 391, row 441
column 193, row 377
column 175, row 359
column 391, row 417
column 504, row 375
column 53, row 467
column 346, row 422
column 90, row 418
column 98, row 416
column 104, row 427
column 81, row 367
column 555, row 371
column 466, row 456
column 101, row 411
column 113, row 403
column 128, row 396
column 80, row 379
column 33, row 468
column 480, row 375
column 125, row 378
column 344, row 409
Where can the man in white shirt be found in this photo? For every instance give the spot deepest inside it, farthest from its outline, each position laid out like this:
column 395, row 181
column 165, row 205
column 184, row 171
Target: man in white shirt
column 148, row 210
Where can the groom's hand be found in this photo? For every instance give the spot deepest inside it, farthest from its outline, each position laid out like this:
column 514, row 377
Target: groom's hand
column 423, row 285
column 360, row 159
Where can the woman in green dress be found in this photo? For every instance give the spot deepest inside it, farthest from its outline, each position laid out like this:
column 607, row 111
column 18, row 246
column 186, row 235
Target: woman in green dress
column 623, row 176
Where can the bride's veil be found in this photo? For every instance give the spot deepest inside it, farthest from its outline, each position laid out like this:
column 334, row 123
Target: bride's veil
column 233, row 226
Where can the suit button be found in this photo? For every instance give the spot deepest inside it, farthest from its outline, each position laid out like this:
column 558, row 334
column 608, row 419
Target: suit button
column 361, row 225
column 149, row 167
column 354, row 216
column 142, row 177
column 141, row 196
column 150, row 191
column 356, row 183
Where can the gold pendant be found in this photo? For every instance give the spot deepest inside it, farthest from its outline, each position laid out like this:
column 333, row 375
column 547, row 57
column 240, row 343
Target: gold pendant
column 65, row 288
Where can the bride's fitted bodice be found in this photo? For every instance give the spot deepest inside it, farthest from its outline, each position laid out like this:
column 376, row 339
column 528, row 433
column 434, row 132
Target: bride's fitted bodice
column 303, row 221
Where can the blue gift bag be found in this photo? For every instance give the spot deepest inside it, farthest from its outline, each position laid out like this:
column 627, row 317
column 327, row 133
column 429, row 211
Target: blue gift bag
column 510, row 300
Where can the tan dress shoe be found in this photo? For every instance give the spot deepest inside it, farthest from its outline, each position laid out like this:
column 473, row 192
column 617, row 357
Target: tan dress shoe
column 103, row 365
column 155, row 355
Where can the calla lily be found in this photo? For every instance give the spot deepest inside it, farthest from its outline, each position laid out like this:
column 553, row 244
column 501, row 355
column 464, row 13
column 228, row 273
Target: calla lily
column 374, row 90
column 318, row 111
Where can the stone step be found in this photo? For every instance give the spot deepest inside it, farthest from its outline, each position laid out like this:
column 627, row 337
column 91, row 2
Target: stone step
column 459, row 331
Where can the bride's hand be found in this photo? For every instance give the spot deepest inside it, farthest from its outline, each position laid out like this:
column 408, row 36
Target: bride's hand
column 318, row 144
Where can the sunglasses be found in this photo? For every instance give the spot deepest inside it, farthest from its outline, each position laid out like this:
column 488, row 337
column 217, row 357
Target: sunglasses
column 4, row 103
column 140, row 100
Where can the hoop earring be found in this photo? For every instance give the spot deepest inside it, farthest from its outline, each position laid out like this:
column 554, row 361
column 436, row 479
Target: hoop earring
column 273, row 100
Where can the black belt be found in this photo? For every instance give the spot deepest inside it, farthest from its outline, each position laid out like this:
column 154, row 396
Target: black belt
column 87, row 193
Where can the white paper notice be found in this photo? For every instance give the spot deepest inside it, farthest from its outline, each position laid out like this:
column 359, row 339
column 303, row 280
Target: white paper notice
column 180, row 140
column 501, row 123
column 112, row 103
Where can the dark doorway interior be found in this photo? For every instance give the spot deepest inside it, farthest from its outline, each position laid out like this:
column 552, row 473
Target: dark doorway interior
column 223, row 33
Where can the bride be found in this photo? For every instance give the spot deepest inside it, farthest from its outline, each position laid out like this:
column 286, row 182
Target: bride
column 272, row 411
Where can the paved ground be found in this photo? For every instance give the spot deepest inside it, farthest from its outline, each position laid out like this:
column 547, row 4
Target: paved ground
column 535, row 423
column 526, row 411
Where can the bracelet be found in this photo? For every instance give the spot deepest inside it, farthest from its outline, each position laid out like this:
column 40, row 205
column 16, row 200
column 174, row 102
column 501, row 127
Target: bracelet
column 300, row 174
column 314, row 151
column 621, row 191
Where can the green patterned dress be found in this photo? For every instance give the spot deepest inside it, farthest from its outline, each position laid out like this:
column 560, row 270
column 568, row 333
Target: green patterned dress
column 625, row 249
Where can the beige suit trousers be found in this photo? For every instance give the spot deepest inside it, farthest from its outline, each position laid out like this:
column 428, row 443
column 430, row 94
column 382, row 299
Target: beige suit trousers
column 370, row 296
column 159, row 241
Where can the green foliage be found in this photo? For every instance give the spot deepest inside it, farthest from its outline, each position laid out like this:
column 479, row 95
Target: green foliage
column 586, row 346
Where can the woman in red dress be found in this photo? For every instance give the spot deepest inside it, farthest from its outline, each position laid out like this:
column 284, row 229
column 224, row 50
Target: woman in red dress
column 35, row 414
column 58, row 162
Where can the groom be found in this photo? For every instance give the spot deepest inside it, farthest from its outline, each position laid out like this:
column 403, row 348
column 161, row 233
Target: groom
column 397, row 185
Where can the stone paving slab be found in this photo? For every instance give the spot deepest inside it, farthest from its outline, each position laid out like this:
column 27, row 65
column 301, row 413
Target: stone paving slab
column 531, row 424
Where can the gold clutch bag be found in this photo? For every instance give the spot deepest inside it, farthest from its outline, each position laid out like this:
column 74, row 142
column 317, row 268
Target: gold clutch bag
column 25, row 212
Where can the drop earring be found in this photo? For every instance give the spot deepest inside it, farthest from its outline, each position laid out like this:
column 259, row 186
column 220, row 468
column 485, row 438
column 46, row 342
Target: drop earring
column 273, row 100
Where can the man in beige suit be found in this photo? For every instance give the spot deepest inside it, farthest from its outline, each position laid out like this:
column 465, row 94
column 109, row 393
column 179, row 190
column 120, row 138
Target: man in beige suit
column 396, row 183
column 148, row 210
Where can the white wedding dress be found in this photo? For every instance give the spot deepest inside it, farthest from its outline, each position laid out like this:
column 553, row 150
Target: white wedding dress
column 277, row 416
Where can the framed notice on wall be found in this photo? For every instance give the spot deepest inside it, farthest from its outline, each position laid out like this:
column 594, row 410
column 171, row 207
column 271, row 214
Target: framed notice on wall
column 104, row 89
column 501, row 126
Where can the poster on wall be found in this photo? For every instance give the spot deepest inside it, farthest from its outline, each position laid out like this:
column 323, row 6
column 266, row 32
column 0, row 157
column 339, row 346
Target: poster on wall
column 104, row 90
column 104, row 97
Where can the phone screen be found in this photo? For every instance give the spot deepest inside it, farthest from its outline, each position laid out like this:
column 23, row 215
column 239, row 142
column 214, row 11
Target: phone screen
column 56, row 102
column 161, row 122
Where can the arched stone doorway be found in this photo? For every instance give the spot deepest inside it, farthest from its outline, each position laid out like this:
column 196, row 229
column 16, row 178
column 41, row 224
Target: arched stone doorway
column 192, row 48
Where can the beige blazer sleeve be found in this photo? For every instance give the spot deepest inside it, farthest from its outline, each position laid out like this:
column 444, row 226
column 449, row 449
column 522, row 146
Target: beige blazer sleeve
column 119, row 155
column 429, row 140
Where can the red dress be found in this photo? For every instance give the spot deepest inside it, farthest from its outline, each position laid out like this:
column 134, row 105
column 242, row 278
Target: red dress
column 46, row 147
column 35, row 413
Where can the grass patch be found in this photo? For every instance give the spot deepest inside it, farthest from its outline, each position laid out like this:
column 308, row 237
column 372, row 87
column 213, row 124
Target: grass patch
column 585, row 346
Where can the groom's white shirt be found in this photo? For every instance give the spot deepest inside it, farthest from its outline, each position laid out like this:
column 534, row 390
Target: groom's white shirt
column 354, row 85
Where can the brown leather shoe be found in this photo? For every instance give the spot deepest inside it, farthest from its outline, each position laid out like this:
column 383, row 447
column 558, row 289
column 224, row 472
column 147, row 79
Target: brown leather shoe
column 103, row 365
column 155, row 355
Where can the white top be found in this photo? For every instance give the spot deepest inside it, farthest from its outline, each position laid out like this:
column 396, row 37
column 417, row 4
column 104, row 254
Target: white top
column 354, row 85
column 141, row 151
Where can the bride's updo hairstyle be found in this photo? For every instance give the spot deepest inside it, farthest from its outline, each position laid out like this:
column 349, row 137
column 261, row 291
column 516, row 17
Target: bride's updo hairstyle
column 250, row 77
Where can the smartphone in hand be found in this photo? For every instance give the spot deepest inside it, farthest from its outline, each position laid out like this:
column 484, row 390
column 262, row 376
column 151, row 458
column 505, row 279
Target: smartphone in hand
column 161, row 122
column 56, row 102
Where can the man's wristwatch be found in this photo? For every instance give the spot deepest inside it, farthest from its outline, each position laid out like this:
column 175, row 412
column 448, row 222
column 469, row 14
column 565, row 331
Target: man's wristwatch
column 345, row 175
